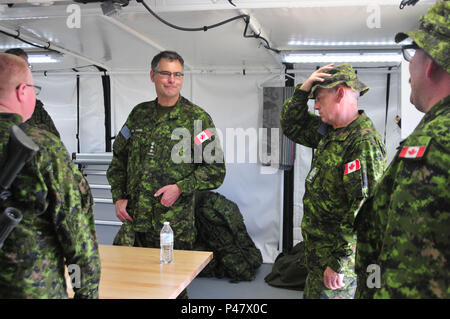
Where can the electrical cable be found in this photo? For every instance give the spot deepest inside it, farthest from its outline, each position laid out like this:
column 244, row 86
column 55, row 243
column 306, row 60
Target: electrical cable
column 17, row 37
column 405, row 3
column 246, row 18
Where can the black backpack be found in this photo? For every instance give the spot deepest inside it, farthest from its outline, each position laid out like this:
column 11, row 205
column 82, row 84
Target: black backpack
column 221, row 229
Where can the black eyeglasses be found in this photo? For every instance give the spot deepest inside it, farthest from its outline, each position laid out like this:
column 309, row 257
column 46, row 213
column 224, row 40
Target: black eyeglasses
column 37, row 88
column 409, row 50
column 167, row 74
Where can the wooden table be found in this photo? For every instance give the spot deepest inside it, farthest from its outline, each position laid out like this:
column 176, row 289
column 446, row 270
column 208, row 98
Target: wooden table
column 136, row 273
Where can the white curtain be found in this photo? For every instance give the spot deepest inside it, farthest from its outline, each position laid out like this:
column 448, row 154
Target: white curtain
column 59, row 95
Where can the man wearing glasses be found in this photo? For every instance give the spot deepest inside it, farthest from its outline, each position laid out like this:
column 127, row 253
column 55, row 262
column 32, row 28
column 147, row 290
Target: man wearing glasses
column 40, row 117
column 149, row 185
column 404, row 228
column 57, row 227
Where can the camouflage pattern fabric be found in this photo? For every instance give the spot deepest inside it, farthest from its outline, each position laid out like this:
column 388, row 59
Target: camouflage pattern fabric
column 42, row 120
column 404, row 227
column 332, row 198
column 433, row 34
column 57, row 228
column 315, row 289
column 341, row 74
column 143, row 163
column 221, row 228
column 289, row 270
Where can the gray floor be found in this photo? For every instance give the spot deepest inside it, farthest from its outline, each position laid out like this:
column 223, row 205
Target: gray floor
column 214, row 288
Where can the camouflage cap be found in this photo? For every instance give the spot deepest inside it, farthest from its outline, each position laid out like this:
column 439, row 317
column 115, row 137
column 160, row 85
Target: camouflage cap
column 433, row 35
column 341, row 74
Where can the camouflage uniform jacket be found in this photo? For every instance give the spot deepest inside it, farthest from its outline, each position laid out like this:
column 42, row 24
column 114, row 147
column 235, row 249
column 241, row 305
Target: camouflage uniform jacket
column 404, row 227
column 143, row 162
column 347, row 164
column 57, row 228
column 41, row 119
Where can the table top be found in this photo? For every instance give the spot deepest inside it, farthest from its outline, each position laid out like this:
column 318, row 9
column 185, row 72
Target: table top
column 137, row 273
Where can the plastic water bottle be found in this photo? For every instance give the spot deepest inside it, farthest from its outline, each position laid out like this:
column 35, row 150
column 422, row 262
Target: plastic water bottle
column 166, row 241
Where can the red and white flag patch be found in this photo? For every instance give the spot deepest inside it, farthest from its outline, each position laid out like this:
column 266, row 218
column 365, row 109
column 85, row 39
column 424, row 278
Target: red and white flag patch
column 412, row 151
column 352, row 166
column 203, row 136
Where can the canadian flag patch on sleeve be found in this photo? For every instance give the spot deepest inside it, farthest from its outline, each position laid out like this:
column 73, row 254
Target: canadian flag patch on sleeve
column 352, row 167
column 203, row 136
column 412, row 152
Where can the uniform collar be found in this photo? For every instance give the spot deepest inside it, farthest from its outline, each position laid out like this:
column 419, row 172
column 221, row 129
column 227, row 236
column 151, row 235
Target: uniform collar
column 341, row 133
column 177, row 108
column 437, row 110
column 11, row 117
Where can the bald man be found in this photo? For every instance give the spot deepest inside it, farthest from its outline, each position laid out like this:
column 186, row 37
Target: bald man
column 57, row 228
column 40, row 118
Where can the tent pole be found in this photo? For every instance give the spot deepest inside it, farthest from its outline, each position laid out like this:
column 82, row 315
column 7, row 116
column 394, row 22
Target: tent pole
column 288, row 192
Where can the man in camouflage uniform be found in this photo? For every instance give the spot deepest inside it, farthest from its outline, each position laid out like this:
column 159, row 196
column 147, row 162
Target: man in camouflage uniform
column 403, row 230
column 349, row 160
column 57, row 228
column 40, row 117
column 153, row 175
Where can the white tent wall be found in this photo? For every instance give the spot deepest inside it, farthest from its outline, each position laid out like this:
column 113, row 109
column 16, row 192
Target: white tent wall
column 235, row 101
column 59, row 95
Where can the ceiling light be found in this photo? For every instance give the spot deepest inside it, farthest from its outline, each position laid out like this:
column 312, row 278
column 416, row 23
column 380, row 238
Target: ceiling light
column 43, row 3
column 346, row 57
column 44, row 57
column 343, row 43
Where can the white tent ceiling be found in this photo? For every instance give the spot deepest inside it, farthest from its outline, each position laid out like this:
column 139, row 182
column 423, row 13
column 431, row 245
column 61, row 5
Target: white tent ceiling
column 129, row 40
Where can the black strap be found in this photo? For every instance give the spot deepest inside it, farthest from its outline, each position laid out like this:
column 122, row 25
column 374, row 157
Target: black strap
column 78, row 113
column 388, row 89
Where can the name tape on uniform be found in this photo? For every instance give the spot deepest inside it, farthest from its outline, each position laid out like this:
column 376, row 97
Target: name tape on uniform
column 352, row 166
column 412, row 151
column 203, row 136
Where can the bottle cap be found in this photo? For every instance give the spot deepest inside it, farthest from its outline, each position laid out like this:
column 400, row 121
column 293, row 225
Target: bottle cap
column 166, row 223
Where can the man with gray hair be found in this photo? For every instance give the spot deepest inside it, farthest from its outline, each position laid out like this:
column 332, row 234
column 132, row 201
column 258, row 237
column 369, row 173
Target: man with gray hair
column 349, row 160
column 147, row 185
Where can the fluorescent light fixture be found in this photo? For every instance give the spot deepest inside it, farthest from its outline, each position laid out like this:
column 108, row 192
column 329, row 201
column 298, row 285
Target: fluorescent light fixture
column 43, row 57
column 44, row 3
column 343, row 43
column 342, row 57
